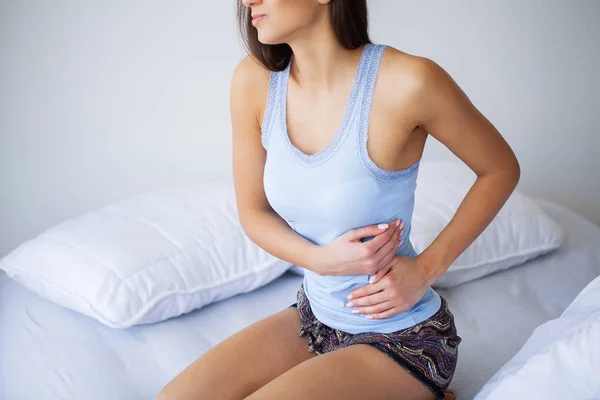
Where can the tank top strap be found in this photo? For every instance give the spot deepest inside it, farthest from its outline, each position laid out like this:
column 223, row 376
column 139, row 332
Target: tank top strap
column 363, row 122
column 368, row 76
column 276, row 79
column 371, row 71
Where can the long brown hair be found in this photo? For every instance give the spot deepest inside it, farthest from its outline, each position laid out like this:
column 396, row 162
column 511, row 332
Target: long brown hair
column 349, row 19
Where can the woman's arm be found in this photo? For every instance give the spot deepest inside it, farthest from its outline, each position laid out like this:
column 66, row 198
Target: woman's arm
column 260, row 222
column 447, row 114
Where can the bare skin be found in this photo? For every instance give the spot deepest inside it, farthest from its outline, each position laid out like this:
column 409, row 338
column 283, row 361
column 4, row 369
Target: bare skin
column 268, row 360
column 244, row 362
column 354, row 372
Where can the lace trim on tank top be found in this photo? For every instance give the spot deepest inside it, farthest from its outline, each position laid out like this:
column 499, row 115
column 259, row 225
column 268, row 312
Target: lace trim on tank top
column 341, row 133
column 365, row 111
column 265, row 128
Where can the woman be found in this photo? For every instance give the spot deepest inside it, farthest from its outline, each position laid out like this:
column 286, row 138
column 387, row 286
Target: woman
column 311, row 191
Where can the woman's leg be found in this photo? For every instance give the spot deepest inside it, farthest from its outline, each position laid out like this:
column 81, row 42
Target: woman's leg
column 355, row 372
column 242, row 363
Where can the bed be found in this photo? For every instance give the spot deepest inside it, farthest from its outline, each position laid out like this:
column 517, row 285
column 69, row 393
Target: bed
column 50, row 352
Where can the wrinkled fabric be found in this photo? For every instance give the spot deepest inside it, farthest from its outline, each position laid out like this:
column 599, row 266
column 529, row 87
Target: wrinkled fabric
column 427, row 350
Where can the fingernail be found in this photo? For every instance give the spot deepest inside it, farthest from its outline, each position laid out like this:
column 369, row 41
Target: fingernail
column 402, row 224
column 348, row 304
column 355, row 311
column 397, row 222
column 349, row 296
column 369, row 317
column 372, row 279
column 382, row 226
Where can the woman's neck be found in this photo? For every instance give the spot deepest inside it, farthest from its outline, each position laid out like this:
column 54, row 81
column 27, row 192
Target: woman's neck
column 320, row 62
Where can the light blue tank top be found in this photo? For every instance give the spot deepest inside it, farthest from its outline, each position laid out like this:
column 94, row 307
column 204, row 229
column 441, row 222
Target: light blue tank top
column 324, row 195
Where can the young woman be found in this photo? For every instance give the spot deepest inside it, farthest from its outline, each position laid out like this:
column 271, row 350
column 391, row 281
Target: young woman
column 328, row 132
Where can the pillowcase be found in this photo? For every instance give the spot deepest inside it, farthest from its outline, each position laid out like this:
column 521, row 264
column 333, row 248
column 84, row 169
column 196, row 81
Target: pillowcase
column 519, row 232
column 147, row 258
column 560, row 360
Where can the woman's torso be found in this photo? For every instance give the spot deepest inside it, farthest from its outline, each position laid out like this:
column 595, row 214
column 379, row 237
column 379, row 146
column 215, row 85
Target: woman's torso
column 325, row 194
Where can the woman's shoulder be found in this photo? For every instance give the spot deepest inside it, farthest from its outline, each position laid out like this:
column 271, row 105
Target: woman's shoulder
column 250, row 84
column 408, row 75
column 416, row 83
column 249, row 74
column 404, row 68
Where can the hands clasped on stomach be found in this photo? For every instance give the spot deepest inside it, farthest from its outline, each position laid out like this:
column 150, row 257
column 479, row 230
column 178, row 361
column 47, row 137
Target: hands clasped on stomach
column 349, row 255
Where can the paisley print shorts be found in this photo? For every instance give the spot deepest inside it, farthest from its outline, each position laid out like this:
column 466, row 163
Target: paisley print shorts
column 427, row 350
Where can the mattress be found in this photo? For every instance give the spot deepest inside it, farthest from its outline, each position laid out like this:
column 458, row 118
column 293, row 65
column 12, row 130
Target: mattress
column 49, row 352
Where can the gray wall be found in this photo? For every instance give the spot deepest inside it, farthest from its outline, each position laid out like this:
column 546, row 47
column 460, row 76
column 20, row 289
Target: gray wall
column 100, row 100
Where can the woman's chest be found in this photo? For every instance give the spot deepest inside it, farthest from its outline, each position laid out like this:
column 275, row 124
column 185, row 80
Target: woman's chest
column 336, row 194
column 390, row 140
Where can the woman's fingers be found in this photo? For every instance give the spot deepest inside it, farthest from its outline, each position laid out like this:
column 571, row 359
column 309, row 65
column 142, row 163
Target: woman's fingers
column 388, row 250
column 381, row 272
column 374, row 309
column 381, row 239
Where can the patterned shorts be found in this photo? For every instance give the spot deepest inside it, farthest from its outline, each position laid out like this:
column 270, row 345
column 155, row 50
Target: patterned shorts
column 427, row 350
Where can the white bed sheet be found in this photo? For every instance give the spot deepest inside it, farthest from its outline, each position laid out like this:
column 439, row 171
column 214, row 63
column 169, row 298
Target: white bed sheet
column 49, row 352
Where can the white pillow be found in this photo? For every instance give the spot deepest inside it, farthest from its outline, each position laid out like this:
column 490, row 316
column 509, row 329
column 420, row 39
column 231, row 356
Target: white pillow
column 560, row 360
column 519, row 232
column 146, row 258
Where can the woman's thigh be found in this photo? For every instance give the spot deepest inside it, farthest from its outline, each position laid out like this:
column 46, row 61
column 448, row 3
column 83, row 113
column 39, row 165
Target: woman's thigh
column 355, row 372
column 242, row 363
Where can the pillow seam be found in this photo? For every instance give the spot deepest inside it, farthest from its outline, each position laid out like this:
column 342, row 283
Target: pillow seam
column 554, row 246
column 137, row 316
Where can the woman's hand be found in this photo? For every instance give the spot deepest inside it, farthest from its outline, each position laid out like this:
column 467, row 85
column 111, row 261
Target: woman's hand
column 395, row 288
column 349, row 255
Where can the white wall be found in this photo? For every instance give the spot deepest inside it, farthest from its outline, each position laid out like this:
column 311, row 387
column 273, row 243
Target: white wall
column 101, row 100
